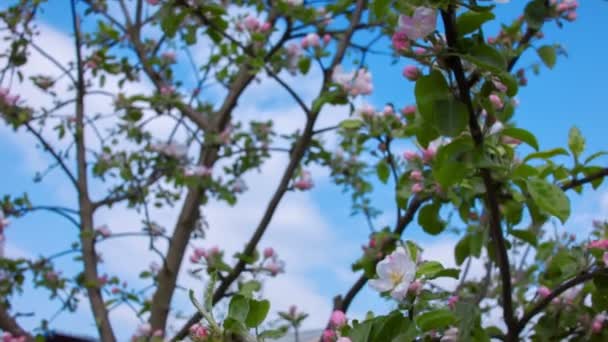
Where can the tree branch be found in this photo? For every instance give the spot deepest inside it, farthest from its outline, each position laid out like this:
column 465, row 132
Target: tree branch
column 296, row 156
column 9, row 324
column 491, row 198
column 87, row 237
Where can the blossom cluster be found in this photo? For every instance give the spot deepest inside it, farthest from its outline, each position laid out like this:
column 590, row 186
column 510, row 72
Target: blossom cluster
column 354, row 83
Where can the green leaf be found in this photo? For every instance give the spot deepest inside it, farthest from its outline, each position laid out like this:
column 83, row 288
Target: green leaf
column 450, row 116
column 447, row 273
column 429, row 219
column 471, row 21
column 525, row 235
column 576, row 141
column 361, row 332
column 435, row 319
column 428, row 268
column 248, row 288
column 535, row 13
column 275, row 333
column 548, row 55
column 351, row 124
column 522, row 135
column 549, row 198
column 462, row 250
column 546, row 154
column 428, row 90
column 380, row 7
column 238, row 308
column 304, row 65
column 487, row 57
column 258, row 310
column 595, row 156
column 383, row 171
column 235, row 325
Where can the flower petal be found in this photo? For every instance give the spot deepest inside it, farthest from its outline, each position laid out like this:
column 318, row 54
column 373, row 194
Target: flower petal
column 381, row 285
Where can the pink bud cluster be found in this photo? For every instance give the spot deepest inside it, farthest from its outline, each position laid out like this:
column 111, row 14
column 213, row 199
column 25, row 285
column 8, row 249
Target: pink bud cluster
column 337, row 320
column 253, row 25
column 294, row 52
column 7, row 99
column 566, row 9
column 354, row 83
column 409, row 110
column 598, row 323
column 312, row 40
column 411, row 72
column 421, row 24
column 200, row 253
column 104, row 231
column 600, row 244
column 304, row 182
column 167, row 90
column 271, row 262
column 452, row 301
column 168, row 57
column 8, row 337
column 199, row 333
column 145, row 330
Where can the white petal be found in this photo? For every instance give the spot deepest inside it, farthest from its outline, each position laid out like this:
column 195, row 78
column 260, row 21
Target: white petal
column 384, row 268
column 381, row 285
column 400, row 291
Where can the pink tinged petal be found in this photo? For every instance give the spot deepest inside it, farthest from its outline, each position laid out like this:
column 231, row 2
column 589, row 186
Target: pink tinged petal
column 381, row 285
column 605, row 258
column 400, row 291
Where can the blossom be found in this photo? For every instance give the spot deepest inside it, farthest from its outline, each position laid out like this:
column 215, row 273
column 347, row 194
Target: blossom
column 415, row 287
column 268, row 252
column 7, row 99
column 344, row 339
column 310, row 40
column 452, row 302
column 601, row 244
column 294, row 53
column 543, row 292
column 239, row 186
column 428, row 154
column 396, row 272
column 305, row 182
column 400, row 41
column 450, row 335
column 605, row 258
column 338, row 319
column 265, row 27
column 411, row 72
column 410, row 155
column 409, row 110
column 366, row 111
column 104, row 231
column 168, row 56
column 416, row 175
column 355, row 83
column 598, row 323
column 417, row 188
column 326, row 38
column 328, row 335
column 496, row 101
column 153, row 2
column 420, row 25
column 251, row 23
column 167, row 90
column 198, row 332
column 275, row 266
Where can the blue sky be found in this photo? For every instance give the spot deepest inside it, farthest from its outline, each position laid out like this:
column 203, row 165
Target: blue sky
column 315, row 232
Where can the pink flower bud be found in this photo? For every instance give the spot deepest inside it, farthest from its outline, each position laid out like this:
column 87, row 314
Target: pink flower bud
column 198, row 331
column 265, row 27
column 417, row 188
column 268, row 252
column 419, row 51
column 415, row 287
column 388, row 110
column 410, row 155
column 428, row 154
column 411, row 72
column 158, row 333
column 153, row 2
column 452, row 302
column 168, row 56
column 200, row 252
column 571, row 16
column 543, row 292
column 194, row 259
column 326, row 38
column 596, row 327
column 115, row 290
column 605, row 258
column 251, row 23
column 416, row 175
column 491, row 40
column 409, row 110
column 338, row 319
column 496, row 101
column 328, row 335
column 400, row 41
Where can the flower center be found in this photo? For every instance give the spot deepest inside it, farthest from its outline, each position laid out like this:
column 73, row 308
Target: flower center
column 396, row 277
